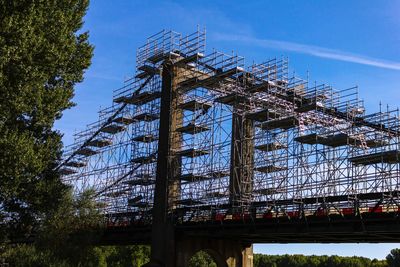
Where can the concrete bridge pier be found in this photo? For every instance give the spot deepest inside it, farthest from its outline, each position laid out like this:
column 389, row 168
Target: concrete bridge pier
column 226, row 253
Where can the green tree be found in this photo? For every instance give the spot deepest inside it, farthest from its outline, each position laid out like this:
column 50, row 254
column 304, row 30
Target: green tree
column 66, row 238
column 70, row 232
column 202, row 259
column 42, row 57
column 393, row 259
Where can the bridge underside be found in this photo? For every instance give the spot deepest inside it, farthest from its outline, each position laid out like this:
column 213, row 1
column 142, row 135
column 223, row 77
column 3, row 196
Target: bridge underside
column 371, row 228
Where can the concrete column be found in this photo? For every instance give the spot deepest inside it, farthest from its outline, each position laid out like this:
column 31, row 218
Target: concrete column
column 242, row 158
column 167, row 187
column 226, row 253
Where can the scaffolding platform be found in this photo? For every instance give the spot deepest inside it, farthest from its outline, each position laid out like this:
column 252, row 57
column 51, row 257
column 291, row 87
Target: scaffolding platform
column 157, row 57
column 195, row 82
column 225, row 74
column 112, row 129
column 270, row 147
column 194, row 105
column 189, row 84
column 192, row 129
column 285, row 123
column 266, row 191
column 144, row 159
column 147, row 71
column 232, row 99
column 262, row 87
column 137, row 202
column 140, row 204
column 99, row 142
column 190, row 59
column 391, row 157
column 147, row 116
column 67, row 171
column 218, row 174
column 123, row 120
column 263, row 115
column 373, row 143
column 215, row 195
column 85, row 151
column 310, row 139
column 188, row 202
column 192, row 152
column 340, row 139
column 139, row 99
column 116, row 193
column 75, row 164
column 146, row 138
column 310, row 107
column 192, row 177
column 140, row 181
column 270, row 168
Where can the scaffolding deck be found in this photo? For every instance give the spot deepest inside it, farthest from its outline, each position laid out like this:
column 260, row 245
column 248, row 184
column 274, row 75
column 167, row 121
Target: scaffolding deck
column 144, row 159
column 192, row 129
column 337, row 140
column 262, row 87
column 216, row 195
column 139, row 204
column 270, row 147
column 310, row 139
column 124, row 120
column 194, row 105
column 99, row 142
column 147, row 71
column 67, row 171
column 113, row 129
column 147, row 116
column 270, row 168
column 266, row 191
column 391, row 157
column 192, row 177
column 190, row 59
column 218, row 174
column 192, row 152
column 116, row 193
column 139, row 99
column 76, row 164
column 140, row 181
column 232, row 99
column 263, row 115
column 285, row 123
column 157, row 57
column 315, row 106
column 188, row 202
column 146, row 138
column 85, row 151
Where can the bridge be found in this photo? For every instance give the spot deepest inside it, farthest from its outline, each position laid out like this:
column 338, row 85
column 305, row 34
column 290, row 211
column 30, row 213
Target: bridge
column 199, row 151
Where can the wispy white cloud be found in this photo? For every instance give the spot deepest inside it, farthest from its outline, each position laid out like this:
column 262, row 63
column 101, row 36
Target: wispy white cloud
column 311, row 50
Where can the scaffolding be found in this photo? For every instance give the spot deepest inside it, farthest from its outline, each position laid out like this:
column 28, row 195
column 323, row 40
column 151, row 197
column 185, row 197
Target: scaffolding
column 248, row 141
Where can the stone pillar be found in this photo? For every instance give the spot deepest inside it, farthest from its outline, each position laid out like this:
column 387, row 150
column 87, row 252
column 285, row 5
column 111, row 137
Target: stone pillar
column 242, row 158
column 167, row 187
column 226, row 253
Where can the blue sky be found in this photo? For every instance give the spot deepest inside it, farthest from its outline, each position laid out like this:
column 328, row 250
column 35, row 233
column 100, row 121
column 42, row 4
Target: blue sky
column 338, row 42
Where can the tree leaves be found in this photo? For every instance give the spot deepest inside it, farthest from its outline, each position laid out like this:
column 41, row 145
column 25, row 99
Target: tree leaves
column 42, row 58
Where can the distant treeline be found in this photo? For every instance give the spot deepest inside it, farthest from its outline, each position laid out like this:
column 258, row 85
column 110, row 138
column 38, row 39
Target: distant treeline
column 136, row 256
column 261, row 260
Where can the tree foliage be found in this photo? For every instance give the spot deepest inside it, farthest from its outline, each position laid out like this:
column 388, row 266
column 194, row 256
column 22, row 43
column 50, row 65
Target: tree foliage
column 202, row 259
column 393, row 259
column 42, row 57
column 315, row 261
